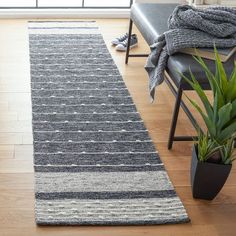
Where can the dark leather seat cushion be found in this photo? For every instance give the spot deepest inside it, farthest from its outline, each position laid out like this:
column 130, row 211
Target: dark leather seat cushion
column 181, row 62
column 151, row 20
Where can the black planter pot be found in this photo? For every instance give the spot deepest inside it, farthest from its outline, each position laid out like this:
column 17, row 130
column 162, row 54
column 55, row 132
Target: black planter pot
column 207, row 179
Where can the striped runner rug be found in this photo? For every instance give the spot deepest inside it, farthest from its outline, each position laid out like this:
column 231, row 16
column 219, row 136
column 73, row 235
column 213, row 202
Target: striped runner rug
column 94, row 161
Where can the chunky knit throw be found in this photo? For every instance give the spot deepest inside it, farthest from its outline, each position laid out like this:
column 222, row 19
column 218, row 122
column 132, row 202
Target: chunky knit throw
column 190, row 27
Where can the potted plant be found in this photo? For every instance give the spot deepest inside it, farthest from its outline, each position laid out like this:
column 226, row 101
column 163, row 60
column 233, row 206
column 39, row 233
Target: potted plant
column 213, row 153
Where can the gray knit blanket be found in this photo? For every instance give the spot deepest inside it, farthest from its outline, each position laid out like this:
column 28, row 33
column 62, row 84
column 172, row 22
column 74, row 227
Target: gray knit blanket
column 190, row 27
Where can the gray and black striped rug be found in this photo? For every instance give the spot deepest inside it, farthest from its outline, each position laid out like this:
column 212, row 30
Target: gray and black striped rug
column 94, row 161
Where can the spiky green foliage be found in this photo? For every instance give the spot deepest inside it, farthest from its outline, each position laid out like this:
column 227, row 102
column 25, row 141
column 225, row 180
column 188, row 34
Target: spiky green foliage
column 206, row 146
column 228, row 152
column 220, row 115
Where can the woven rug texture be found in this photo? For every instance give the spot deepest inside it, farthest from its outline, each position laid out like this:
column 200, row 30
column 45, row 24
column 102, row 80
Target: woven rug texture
column 95, row 163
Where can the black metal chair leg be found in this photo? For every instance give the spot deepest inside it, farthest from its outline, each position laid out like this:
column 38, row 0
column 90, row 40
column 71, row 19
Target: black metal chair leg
column 128, row 44
column 175, row 117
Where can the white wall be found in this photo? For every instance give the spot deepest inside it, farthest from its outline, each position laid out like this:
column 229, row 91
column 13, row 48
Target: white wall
column 74, row 13
column 159, row 1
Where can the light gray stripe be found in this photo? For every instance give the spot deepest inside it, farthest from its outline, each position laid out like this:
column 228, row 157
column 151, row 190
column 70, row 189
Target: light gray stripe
column 63, row 31
column 62, row 28
column 61, row 23
column 109, row 182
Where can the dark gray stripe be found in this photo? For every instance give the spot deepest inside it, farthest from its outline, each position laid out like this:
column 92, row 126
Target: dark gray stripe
column 66, row 51
column 92, row 60
column 68, row 43
column 86, row 117
column 78, row 45
column 108, row 64
column 88, row 127
column 79, row 109
column 70, row 85
column 85, row 72
column 106, row 195
column 93, row 147
column 100, row 159
column 84, row 67
column 124, row 222
column 80, row 93
column 40, row 38
column 83, row 100
column 66, row 136
column 97, row 168
column 72, row 56
column 74, row 79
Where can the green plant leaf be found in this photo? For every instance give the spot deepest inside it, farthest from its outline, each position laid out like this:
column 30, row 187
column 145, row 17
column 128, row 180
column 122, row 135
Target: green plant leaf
column 220, row 73
column 228, row 131
column 215, row 108
column 196, row 86
column 210, row 125
column 208, row 73
column 233, row 113
column 224, row 116
column 213, row 82
column 231, row 88
column 202, row 96
column 227, row 151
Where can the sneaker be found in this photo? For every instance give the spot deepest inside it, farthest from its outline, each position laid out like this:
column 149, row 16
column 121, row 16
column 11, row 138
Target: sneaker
column 122, row 38
column 123, row 45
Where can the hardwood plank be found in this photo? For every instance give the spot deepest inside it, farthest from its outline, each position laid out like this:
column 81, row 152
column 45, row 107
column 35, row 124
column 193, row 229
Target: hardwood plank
column 6, row 151
column 27, row 138
column 15, row 126
column 9, row 181
column 17, row 198
column 12, row 166
column 163, row 230
column 11, row 138
column 23, row 152
column 226, row 196
column 182, row 177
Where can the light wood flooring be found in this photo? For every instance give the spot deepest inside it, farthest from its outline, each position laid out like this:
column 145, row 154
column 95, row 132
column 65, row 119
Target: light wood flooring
column 16, row 159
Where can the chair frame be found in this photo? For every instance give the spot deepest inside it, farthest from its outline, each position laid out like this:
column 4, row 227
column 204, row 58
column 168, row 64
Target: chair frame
column 177, row 92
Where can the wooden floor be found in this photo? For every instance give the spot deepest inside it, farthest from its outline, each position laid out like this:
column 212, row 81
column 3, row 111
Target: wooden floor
column 16, row 156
